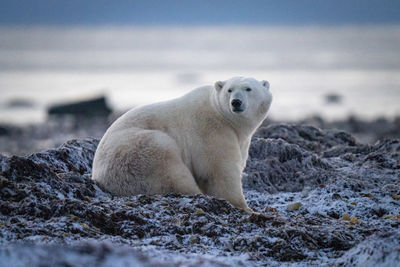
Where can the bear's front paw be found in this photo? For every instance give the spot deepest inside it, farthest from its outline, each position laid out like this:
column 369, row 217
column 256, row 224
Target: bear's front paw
column 249, row 210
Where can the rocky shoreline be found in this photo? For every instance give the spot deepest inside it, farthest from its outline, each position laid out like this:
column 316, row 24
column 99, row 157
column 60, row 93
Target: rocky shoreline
column 322, row 196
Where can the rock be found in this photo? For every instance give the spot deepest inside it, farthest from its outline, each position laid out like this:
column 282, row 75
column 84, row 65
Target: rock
column 85, row 254
column 307, row 137
column 276, row 165
column 50, row 208
column 367, row 131
column 376, row 250
column 73, row 156
column 87, row 108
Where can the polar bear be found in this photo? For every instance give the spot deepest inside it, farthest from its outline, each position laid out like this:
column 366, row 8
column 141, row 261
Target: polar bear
column 194, row 144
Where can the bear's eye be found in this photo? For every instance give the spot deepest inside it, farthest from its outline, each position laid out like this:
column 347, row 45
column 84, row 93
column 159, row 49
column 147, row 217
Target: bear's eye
column 248, row 89
column 229, row 90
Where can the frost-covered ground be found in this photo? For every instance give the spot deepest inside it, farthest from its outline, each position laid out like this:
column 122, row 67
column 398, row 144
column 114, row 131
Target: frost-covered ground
column 322, row 197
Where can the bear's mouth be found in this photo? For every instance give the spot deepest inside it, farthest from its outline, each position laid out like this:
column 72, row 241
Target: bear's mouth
column 237, row 109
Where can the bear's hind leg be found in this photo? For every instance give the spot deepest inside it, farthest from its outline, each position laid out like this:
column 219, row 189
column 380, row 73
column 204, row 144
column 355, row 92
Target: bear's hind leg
column 181, row 179
column 166, row 171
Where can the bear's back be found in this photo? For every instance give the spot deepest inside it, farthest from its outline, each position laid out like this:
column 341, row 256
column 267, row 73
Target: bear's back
column 175, row 113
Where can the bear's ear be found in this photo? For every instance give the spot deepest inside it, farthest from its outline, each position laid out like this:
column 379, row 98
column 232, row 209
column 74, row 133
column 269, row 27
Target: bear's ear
column 218, row 85
column 265, row 84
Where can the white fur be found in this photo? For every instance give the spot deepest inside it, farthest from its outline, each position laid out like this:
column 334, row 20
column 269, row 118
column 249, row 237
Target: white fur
column 193, row 144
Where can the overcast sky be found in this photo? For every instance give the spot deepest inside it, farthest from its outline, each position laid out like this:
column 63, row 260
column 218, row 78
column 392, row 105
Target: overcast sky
column 199, row 12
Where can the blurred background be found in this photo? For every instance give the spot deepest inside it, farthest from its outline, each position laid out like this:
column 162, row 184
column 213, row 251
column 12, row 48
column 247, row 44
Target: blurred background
column 325, row 60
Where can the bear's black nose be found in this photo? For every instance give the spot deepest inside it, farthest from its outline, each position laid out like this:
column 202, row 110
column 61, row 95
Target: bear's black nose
column 236, row 103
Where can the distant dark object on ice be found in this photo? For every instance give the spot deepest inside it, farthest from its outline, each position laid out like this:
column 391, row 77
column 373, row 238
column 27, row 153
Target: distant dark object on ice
column 333, row 98
column 19, row 103
column 87, row 108
column 4, row 130
column 8, row 130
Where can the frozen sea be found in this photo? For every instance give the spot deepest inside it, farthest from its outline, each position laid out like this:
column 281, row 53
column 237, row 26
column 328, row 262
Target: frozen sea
column 139, row 65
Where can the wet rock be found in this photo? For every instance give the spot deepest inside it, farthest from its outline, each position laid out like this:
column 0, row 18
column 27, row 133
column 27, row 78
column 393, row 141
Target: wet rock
column 367, row 131
column 85, row 254
column 276, row 165
column 307, row 137
column 377, row 250
column 49, row 200
column 74, row 155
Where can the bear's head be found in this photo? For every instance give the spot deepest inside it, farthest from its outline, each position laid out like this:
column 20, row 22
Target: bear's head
column 243, row 99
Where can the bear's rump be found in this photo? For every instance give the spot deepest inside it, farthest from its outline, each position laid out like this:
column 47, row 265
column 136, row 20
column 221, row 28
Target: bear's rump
column 143, row 163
